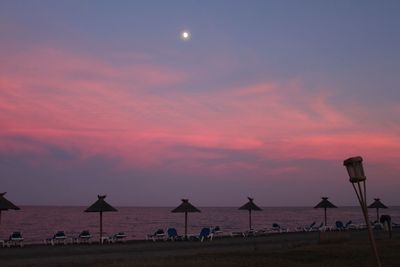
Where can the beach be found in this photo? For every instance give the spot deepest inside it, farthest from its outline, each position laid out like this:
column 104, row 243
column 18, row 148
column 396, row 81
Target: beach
column 350, row 248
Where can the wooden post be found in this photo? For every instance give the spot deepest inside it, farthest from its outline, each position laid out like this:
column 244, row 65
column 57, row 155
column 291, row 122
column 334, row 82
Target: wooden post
column 249, row 219
column 185, row 225
column 101, row 227
column 362, row 198
column 371, row 237
column 377, row 214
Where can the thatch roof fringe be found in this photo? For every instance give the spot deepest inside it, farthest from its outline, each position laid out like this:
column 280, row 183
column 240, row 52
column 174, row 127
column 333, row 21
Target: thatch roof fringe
column 377, row 204
column 250, row 205
column 100, row 205
column 325, row 203
column 185, row 206
column 5, row 204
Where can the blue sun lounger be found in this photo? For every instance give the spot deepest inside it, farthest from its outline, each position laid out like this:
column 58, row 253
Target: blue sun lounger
column 173, row 234
column 205, row 233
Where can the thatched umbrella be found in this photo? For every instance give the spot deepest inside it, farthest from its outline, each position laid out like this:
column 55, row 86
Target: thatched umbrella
column 377, row 205
column 5, row 204
column 325, row 204
column 100, row 206
column 250, row 206
column 185, row 207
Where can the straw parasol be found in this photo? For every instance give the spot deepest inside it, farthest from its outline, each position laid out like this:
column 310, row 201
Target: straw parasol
column 185, row 207
column 5, row 204
column 250, row 206
column 100, row 206
column 377, row 205
column 325, row 204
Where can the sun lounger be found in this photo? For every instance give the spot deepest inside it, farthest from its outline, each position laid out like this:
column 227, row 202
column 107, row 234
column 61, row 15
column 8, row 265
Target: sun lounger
column 348, row 226
column 253, row 232
column 58, row 238
column 306, row 228
column 276, row 228
column 158, row 235
column 173, row 235
column 361, row 226
column 351, row 226
column 395, row 225
column 105, row 239
column 84, row 237
column 317, row 227
column 311, row 227
column 118, row 237
column 216, row 231
column 238, row 233
column 249, row 233
column 15, row 240
column 377, row 226
column 205, row 234
column 325, row 228
column 339, row 226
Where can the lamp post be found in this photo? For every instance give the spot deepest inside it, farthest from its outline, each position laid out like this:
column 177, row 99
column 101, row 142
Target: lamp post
column 358, row 180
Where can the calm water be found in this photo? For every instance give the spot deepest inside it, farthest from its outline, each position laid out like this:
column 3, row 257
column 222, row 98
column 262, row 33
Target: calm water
column 37, row 223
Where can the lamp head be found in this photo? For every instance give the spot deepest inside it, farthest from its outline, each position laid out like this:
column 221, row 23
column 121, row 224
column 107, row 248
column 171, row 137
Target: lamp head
column 355, row 169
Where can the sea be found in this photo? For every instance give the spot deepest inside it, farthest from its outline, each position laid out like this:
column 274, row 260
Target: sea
column 40, row 222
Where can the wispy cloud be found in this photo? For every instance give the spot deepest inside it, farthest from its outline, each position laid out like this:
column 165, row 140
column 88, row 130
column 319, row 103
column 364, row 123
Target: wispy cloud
column 141, row 113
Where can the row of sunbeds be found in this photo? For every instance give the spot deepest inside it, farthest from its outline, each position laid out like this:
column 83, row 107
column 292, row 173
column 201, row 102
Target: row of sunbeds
column 313, row 227
column 171, row 234
column 349, row 225
column 206, row 233
column 16, row 239
column 82, row 238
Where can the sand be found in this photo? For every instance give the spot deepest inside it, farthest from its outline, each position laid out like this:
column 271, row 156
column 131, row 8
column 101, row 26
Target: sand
column 286, row 249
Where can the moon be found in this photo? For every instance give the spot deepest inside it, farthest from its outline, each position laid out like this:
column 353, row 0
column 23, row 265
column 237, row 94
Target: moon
column 185, row 35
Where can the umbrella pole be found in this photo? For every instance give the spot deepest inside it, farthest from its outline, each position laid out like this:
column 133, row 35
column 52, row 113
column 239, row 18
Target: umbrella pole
column 185, row 225
column 325, row 216
column 377, row 214
column 101, row 227
column 0, row 216
column 249, row 219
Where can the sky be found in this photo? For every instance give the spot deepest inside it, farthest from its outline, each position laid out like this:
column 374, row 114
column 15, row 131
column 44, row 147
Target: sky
column 266, row 100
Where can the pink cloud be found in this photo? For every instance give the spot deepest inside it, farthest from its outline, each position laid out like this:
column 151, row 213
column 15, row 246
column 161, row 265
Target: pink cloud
column 73, row 100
